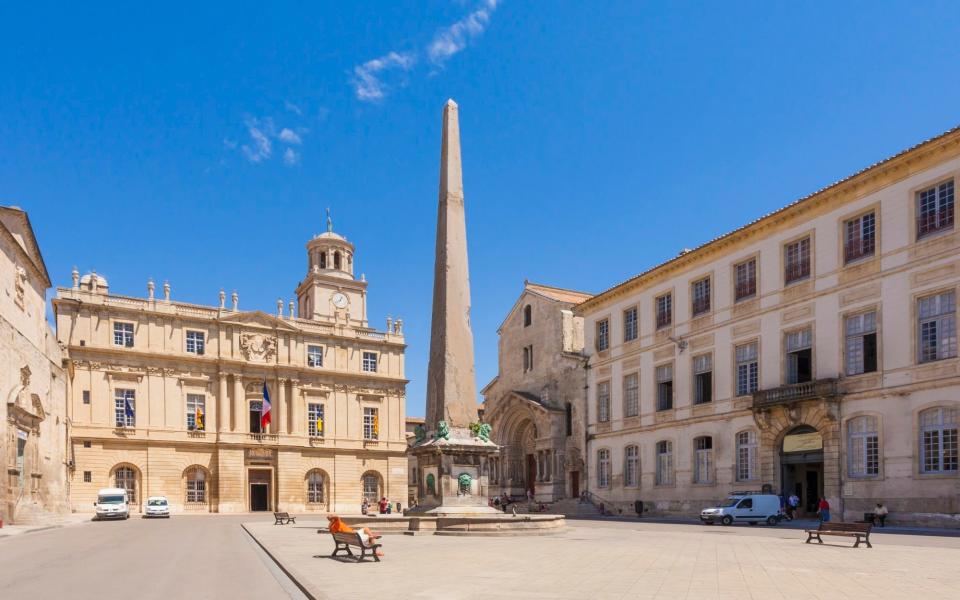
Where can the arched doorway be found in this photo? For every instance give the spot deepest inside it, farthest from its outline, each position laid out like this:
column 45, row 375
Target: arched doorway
column 801, row 467
column 525, row 444
column 127, row 477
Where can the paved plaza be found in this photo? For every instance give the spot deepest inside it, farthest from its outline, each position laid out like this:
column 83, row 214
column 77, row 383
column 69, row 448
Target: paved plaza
column 604, row 559
column 213, row 557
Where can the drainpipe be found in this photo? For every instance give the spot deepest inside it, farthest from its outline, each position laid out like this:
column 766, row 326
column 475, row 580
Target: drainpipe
column 586, row 424
column 840, row 455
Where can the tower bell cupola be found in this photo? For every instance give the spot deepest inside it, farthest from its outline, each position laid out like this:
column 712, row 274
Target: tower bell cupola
column 330, row 292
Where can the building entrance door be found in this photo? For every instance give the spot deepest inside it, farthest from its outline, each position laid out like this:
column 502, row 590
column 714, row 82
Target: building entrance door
column 574, row 484
column 801, row 468
column 531, row 473
column 259, row 489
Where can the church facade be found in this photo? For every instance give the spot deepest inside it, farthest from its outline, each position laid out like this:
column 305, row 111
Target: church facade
column 810, row 352
column 168, row 398
column 535, row 403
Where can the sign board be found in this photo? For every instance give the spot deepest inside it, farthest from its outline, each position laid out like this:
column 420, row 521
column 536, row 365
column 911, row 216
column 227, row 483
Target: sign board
column 803, row 442
column 260, row 453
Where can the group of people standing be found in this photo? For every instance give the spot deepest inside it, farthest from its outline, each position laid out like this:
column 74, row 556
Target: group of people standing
column 791, row 504
column 384, row 507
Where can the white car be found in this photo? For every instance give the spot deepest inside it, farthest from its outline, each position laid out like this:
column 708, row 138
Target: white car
column 112, row 503
column 744, row 508
column 157, row 506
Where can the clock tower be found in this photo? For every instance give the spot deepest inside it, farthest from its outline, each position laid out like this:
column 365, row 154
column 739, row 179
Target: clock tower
column 330, row 292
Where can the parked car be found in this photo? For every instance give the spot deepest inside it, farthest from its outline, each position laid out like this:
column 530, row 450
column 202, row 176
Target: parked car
column 744, row 508
column 112, row 503
column 157, row 506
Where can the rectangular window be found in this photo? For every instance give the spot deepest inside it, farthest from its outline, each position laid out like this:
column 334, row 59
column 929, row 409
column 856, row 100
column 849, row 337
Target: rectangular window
column 746, row 455
column 665, row 387
column 631, row 466
column 86, row 396
column 664, row 475
column 700, row 293
column 860, row 237
column 195, row 342
column 664, row 310
column 938, row 327
column 124, row 405
column 863, row 447
column 87, row 444
column 569, row 415
column 196, row 412
column 314, row 356
column 370, row 362
column 703, row 379
column 703, row 460
column 748, row 369
column 938, row 440
column 315, row 424
column 603, row 468
column 799, row 346
column 603, row 335
column 630, row 329
column 745, row 280
column 631, row 395
column 603, row 401
column 861, row 343
column 371, row 424
column 87, row 476
column 123, row 334
column 796, row 260
column 935, row 209
column 528, row 358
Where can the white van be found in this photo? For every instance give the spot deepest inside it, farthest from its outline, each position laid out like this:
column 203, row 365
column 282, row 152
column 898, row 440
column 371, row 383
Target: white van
column 744, row 508
column 112, row 503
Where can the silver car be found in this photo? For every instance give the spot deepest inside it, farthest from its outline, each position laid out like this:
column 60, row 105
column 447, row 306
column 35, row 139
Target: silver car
column 157, row 506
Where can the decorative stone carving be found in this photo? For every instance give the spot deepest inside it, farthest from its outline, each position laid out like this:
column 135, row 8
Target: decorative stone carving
column 257, row 347
column 19, row 285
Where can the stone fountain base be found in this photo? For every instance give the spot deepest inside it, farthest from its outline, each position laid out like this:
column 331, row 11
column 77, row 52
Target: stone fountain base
column 498, row 524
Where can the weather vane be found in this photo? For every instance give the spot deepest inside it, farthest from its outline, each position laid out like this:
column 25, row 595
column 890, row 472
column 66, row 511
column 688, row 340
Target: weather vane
column 329, row 221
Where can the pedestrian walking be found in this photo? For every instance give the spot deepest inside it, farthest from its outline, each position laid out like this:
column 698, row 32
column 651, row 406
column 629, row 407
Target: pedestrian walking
column 823, row 509
column 364, row 506
column 792, row 503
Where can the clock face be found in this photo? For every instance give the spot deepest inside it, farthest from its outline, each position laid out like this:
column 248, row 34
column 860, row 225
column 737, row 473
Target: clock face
column 339, row 300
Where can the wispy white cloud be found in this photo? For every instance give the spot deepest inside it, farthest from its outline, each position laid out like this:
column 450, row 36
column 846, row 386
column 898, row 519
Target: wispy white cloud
column 454, row 38
column 368, row 81
column 291, row 107
column 260, row 147
column 291, row 157
column 289, row 136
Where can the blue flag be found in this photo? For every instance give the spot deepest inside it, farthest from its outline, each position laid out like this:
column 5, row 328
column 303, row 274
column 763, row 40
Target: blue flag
column 127, row 407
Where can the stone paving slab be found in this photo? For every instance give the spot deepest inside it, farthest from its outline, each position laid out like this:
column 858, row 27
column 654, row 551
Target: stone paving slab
column 616, row 560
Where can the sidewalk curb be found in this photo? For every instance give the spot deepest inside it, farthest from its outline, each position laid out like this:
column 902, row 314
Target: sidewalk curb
column 279, row 564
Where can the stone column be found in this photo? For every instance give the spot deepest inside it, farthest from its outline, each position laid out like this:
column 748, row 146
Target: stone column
column 281, row 408
column 223, row 405
column 296, row 420
column 239, row 399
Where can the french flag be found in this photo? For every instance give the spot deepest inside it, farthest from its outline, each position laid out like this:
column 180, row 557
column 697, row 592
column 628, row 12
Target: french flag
column 265, row 408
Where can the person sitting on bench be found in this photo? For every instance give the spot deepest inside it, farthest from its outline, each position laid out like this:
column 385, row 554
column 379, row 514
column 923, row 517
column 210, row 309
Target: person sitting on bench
column 880, row 515
column 336, row 525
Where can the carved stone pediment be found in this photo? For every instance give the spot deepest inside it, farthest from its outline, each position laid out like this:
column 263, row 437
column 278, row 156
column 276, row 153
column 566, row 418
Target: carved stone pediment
column 259, row 320
column 258, row 347
column 24, row 408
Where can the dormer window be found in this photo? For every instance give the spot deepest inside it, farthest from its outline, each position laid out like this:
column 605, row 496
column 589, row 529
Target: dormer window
column 527, row 315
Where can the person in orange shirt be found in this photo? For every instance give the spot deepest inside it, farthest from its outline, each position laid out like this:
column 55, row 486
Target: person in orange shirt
column 336, row 525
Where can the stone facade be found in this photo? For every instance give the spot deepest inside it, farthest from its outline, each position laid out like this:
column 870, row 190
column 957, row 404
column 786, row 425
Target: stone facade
column 535, row 403
column 812, row 351
column 33, row 432
column 166, row 397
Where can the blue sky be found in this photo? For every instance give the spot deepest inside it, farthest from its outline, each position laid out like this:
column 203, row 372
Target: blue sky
column 201, row 143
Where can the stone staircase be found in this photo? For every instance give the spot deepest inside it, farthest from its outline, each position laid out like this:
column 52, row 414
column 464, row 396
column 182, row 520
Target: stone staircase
column 573, row 507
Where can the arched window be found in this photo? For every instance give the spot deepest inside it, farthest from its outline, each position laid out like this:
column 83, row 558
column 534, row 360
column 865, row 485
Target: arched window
column 863, row 447
column 196, row 485
column 664, row 463
column 938, row 440
column 323, row 259
column 371, row 486
column 603, row 468
column 527, row 315
column 746, row 456
column 703, row 459
column 336, row 260
column 315, row 487
column 126, row 478
column 631, row 466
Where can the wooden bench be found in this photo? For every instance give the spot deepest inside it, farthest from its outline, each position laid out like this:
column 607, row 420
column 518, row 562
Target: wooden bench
column 861, row 531
column 343, row 542
column 283, row 518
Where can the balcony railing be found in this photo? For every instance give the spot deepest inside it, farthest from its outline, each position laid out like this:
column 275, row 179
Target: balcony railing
column 264, row 437
column 826, row 389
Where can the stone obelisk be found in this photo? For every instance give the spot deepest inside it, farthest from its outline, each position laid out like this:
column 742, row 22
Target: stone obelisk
column 451, row 383
column 453, row 447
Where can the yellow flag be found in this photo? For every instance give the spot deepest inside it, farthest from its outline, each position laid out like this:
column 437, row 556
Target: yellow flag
column 319, row 425
column 198, row 418
column 376, row 424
